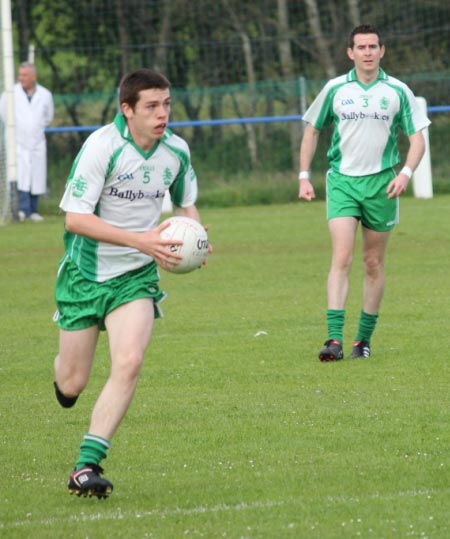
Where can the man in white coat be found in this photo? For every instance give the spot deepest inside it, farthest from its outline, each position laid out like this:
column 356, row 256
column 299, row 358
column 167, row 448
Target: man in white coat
column 33, row 112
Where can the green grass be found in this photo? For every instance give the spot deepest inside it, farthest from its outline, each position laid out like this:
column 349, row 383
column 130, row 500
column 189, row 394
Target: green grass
column 235, row 433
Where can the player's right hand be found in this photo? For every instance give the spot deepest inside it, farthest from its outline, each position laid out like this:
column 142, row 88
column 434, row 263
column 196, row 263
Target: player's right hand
column 306, row 190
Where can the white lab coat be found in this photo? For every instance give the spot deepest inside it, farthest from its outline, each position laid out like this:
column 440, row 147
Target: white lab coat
column 32, row 117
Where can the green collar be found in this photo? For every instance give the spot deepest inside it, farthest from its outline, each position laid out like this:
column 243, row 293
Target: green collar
column 121, row 124
column 352, row 77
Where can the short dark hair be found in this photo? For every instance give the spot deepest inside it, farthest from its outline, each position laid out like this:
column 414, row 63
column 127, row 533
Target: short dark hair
column 142, row 79
column 363, row 29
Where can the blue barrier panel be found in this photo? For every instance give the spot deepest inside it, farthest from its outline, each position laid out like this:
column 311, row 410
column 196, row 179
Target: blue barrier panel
column 222, row 121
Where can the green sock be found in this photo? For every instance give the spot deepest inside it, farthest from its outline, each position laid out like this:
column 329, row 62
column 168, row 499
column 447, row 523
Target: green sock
column 92, row 450
column 367, row 323
column 335, row 322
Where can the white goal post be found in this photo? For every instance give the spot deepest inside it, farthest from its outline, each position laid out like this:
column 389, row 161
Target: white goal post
column 422, row 180
column 8, row 168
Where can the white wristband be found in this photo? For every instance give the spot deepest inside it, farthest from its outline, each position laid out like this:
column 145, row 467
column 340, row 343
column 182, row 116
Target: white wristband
column 304, row 175
column 407, row 172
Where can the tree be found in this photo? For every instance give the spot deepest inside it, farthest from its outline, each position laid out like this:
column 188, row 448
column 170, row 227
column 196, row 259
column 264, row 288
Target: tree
column 251, row 78
column 353, row 9
column 288, row 72
column 21, row 9
column 322, row 44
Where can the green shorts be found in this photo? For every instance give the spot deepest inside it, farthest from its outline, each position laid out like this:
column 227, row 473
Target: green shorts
column 363, row 197
column 83, row 303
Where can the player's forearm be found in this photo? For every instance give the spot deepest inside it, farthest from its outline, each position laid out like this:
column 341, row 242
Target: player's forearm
column 91, row 226
column 308, row 147
column 416, row 150
column 189, row 211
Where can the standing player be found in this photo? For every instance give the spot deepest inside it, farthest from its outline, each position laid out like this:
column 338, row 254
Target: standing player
column 367, row 107
column 108, row 277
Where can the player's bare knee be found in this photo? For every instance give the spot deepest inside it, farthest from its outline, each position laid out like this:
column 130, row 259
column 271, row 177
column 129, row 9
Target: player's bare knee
column 71, row 387
column 129, row 368
column 373, row 265
column 342, row 264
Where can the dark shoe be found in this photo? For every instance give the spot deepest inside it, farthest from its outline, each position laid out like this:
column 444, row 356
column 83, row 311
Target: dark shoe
column 87, row 482
column 332, row 351
column 360, row 349
column 65, row 402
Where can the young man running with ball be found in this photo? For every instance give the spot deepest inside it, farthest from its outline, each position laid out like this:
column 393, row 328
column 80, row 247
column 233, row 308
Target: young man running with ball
column 108, row 277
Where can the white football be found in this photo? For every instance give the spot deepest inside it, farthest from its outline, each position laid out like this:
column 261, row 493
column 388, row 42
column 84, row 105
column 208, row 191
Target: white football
column 194, row 249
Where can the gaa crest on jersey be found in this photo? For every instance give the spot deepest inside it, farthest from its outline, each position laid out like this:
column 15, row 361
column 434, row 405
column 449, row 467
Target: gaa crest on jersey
column 167, row 176
column 384, row 103
column 79, row 186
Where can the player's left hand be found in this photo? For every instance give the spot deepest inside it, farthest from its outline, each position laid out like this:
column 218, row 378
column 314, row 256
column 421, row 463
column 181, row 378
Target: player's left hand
column 397, row 186
column 210, row 247
column 151, row 243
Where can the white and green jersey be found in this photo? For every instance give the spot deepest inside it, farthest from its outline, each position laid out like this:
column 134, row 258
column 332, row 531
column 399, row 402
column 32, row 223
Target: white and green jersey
column 115, row 179
column 366, row 121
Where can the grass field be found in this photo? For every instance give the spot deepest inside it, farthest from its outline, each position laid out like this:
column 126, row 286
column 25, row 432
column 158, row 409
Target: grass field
column 237, row 430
